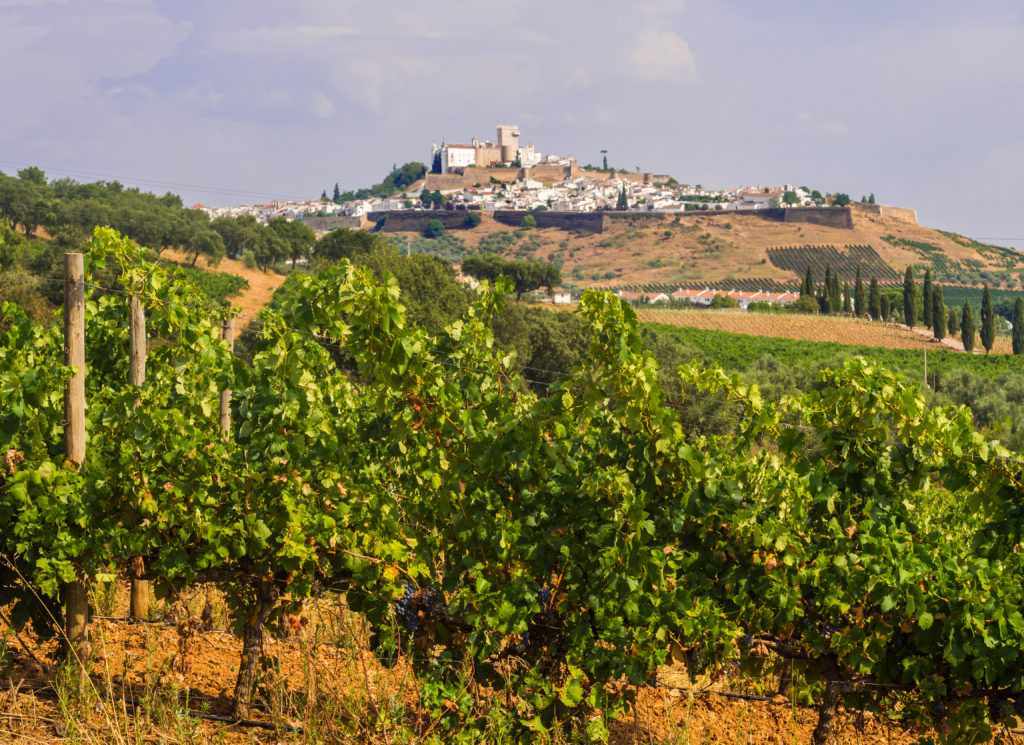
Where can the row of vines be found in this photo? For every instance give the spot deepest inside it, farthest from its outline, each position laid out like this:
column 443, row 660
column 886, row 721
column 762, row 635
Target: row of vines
column 742, row 284
column 845, row 263
column 549, row 547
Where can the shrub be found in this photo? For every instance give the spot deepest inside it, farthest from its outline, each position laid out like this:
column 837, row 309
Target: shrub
column 249, row 259
column 724, row 301
column 435, row 229
column 806, row 304
column 529, row 221
column 473, row 219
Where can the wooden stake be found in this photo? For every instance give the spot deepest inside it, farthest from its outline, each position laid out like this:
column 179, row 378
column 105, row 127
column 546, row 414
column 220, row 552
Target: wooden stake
column 138, row 604
column 76, row 599
column 227, row 333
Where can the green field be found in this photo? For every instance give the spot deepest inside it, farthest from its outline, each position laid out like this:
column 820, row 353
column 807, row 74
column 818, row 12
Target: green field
column 738, row 352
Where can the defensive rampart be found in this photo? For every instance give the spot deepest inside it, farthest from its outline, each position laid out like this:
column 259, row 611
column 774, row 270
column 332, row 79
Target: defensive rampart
column 596, row 222
column 586, row 222
column 445, row 181
column 323, row 224
column 833, row 217
column 415, row 221
column 904, row 214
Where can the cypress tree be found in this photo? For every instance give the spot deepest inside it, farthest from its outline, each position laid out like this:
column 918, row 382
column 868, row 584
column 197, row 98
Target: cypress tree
column 807, row 288
column 623, row 203
column 988, row 322
column 826, row 292
column 909, row 298
column 846, row 298
column 953, row 322
column 886, row 307
column 825, row 298
column 835, row 293
column 859, row 306
column 337, row 192
column 938, row 313
column 1019, row 326
column 928, row 306
column 875, row 301
column 967, row 327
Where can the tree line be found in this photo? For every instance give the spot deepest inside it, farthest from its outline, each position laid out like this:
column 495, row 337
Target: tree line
column 925, row 307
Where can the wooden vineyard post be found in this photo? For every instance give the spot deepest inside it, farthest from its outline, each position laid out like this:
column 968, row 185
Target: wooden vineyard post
column 227, row 333
column 76, row 599
column 138, row 604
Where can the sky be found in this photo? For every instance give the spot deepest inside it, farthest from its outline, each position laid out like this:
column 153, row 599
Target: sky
column 241, row 101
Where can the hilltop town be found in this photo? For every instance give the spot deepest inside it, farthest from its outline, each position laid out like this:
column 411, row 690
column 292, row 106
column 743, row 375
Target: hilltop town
column 645, row 235
column 505, row 175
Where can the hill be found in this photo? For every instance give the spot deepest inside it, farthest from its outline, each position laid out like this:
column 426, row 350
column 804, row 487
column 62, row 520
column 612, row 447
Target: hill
column 735, row 249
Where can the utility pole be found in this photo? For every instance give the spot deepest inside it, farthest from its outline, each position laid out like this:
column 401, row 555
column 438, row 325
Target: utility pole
column 138, row 604
column 76, row 598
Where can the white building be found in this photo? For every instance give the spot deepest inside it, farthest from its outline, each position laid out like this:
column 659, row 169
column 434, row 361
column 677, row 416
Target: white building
column 457, row 156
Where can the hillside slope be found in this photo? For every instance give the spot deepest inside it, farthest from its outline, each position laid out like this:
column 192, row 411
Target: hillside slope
column 721, row 247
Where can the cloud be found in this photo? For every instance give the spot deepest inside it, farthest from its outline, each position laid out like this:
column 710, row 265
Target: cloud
column 838, row 129
column 663, row 55
column 322, row 106
column 808, row 123
column 264, row 39
column 1006, row 159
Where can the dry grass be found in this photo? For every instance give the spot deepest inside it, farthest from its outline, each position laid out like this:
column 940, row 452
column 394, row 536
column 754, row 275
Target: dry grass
column 322, row 685
column 699, row 247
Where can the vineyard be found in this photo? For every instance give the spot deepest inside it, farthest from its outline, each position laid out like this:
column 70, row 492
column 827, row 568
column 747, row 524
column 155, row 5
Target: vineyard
column 743, row 285
column 797, row 258
column 220, row 287
column 551, row 553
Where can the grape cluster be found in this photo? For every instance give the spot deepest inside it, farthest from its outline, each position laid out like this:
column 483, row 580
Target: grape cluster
column 997, row 710
column 417, row 605
column 898, row 643
column 524, row 639
column 406, row 611
column 544, row 630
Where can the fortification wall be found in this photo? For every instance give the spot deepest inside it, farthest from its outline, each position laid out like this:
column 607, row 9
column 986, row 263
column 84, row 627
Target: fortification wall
column 548, row 174
column 323, row 224
column 634, row 218
column 906, row 214
column 444, row 181
column 833, row 217
column 586, row 222
column 415, row 221
column 484, row 175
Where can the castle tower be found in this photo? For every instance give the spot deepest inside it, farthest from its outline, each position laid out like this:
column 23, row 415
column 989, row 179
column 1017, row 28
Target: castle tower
column 508, row 141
